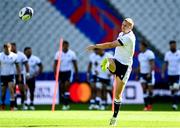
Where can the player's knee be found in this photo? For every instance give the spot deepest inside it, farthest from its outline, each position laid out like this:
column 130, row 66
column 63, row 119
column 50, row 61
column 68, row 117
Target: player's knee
column 112, row 66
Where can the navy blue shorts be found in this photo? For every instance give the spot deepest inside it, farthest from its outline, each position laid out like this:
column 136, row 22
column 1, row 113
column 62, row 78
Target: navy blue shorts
column 6, row 79
column 121, row 69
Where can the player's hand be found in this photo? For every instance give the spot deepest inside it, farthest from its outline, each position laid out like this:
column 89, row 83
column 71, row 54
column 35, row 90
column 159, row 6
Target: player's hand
column 91, row 47
column 27, row 76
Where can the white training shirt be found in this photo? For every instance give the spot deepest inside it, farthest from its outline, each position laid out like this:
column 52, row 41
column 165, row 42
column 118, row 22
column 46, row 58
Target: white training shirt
column 124, row 54
column 144, row 58
column 93, row 59
column 21, row 59
column 33, row 62
column 66, row 60
column 173, row 60
column 7, row 63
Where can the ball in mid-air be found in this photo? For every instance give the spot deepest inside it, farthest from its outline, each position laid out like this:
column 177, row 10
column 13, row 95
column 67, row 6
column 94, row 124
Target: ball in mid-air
column 26, row 13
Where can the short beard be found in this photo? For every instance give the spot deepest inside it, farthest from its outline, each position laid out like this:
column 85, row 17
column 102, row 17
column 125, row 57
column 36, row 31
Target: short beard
column 173, row 50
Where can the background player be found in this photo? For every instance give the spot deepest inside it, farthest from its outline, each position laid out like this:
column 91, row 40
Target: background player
column 146, row 69
column 103, row 80
column 22, row 60
column 8, row 60
column 172, row 64
column 122, row 62
column 35, row 68
column 68, row 59
column 92, row 77
column 100, row 81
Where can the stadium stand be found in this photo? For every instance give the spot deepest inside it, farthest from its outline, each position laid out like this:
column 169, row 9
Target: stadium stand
column 42, row 32
column 153, row 19
column 104, row 20
column 79, row 22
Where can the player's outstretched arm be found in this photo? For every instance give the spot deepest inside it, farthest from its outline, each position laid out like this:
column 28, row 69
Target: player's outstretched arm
column 106, row 45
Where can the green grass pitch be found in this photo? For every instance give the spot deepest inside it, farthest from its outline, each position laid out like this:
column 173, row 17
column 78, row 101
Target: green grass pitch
column 92, row 119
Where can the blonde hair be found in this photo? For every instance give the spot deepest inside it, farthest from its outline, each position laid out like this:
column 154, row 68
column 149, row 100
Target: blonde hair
column 129, row 20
